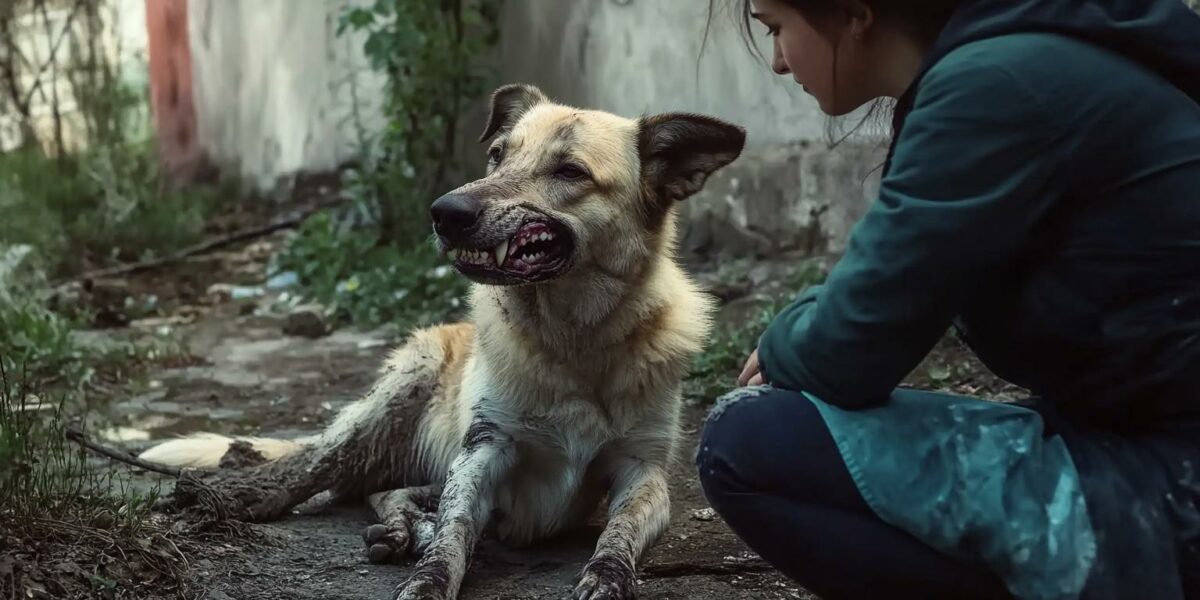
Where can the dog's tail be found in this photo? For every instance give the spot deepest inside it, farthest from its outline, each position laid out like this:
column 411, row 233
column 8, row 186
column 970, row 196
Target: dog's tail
column 204, row 450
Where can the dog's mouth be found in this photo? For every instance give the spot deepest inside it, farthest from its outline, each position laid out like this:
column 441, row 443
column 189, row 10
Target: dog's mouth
column 541, row 249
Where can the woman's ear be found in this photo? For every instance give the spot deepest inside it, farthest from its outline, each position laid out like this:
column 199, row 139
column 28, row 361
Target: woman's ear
column 862, row 18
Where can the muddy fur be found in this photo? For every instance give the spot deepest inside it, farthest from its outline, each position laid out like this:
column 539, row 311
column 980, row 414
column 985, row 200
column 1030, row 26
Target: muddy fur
column 606, row 577
column 241, row 454
column 565, row 384
column 407, row 522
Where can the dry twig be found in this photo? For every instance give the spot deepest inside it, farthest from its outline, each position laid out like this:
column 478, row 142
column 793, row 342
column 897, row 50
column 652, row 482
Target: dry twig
column 82, row 439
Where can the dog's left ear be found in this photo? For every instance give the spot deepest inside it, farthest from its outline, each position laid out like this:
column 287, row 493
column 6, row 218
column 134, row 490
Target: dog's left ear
column 680, row 150
column 508, row 104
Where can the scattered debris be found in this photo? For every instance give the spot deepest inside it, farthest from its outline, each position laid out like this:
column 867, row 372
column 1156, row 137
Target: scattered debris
column 308, row 320
column 704, row 514
column 745, row 558
column 283, row 280
column 287, row 222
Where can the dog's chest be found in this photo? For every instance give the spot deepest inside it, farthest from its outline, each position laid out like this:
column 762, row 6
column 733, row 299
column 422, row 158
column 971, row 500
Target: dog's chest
column 560, row 464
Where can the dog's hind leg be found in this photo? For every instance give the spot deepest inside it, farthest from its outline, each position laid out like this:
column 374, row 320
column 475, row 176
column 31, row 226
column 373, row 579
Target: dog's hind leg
column 370, row 446
column 407, row 521
column 466, row 504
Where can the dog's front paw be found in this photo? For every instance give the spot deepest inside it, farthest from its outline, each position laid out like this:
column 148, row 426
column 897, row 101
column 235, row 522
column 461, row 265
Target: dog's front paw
column 399, row 538
column 606, row 578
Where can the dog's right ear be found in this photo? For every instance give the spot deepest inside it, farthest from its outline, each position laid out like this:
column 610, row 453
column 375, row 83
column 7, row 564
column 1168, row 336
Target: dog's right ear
column 508, row 104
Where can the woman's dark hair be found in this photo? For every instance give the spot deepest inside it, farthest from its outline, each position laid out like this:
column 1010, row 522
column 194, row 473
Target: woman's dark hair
column 923, row 19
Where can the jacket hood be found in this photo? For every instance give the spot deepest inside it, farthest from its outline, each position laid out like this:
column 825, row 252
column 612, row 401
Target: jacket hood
column 1163, row 35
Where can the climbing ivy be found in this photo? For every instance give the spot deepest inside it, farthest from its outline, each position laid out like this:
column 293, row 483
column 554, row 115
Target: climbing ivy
column 429, row 50
column 385, row 271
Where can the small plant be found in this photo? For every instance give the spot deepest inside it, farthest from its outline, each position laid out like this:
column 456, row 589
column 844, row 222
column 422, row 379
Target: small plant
column 68, row 530
column 368, row 283
column 386, row 271
column 429, row 50
column 106, row 205
column 33, row 335
column 715, row 371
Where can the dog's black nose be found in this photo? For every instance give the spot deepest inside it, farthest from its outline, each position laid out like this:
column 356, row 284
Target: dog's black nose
column 455, row 214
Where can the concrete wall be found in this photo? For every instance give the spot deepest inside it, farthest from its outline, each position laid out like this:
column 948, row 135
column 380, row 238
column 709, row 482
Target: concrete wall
column 273, row 86
column 273, row 96
column 789, row 190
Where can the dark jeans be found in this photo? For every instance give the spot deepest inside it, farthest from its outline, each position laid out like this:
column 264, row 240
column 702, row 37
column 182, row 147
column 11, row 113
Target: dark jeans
column 770, row 468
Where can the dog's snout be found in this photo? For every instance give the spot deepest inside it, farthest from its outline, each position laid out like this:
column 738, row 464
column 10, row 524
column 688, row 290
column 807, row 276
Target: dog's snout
column 455, row 215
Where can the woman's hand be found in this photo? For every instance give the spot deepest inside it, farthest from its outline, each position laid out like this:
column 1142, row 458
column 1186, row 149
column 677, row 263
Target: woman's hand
column 750, row 373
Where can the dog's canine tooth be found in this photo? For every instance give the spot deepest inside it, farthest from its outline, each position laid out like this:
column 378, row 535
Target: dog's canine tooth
column 501, row 252
column 453, row 254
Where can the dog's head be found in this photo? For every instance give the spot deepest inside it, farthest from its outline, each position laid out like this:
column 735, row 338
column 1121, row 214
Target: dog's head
column 567, row 187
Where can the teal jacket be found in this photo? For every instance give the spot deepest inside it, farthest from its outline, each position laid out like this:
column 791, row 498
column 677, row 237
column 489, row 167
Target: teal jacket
column 1044, row 196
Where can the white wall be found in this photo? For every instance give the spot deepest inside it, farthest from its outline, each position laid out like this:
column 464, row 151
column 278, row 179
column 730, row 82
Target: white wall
column 273, row 85
column 272, row 97
column 638, row 57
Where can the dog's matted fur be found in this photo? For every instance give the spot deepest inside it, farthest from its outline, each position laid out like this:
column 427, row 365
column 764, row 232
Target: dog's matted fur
column 564, row 386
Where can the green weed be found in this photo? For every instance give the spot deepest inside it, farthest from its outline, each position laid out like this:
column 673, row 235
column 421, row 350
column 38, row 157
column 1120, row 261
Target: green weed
column 386, row 272
column 69, row 530
column 715, row 371
column 365, row 282
column 107, row 205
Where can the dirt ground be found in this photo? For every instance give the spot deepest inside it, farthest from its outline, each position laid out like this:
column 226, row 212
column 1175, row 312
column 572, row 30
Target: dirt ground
column 243, row 375
column 249, row 378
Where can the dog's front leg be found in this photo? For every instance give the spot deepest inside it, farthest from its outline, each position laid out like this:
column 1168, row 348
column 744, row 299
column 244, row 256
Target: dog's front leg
column 466, row 503
column 639, row 511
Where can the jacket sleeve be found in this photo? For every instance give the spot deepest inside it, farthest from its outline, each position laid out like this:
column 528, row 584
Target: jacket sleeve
column 972, row 173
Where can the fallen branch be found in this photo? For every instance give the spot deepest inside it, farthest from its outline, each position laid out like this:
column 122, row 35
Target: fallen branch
column 206, row 246
column 123, row 457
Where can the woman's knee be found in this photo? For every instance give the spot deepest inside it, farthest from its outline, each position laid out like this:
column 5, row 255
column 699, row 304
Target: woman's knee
column 764, row 439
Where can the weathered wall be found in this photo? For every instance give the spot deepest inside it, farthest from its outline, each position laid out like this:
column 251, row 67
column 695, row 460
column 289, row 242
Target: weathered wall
column 273, row 86
column 273, row 96
column 638, row 57
column 171, row 100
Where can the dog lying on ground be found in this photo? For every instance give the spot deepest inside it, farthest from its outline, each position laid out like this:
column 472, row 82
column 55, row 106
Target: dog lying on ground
column 565, row 384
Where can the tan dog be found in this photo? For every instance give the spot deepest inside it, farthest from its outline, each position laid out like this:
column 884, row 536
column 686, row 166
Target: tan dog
column 564, row 386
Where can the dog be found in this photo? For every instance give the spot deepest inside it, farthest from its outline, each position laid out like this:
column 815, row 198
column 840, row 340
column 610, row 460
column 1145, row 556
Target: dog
column 565, row 384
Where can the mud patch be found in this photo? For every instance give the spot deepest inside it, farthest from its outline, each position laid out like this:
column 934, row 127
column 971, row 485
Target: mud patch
column 241, row 454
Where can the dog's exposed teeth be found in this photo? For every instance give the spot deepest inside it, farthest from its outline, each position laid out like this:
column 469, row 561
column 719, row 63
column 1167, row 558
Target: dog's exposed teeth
column 476, row 257
column 453, row 254
column 501, row 252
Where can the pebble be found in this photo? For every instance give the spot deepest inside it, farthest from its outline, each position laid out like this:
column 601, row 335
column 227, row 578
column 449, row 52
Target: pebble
column 307, row 321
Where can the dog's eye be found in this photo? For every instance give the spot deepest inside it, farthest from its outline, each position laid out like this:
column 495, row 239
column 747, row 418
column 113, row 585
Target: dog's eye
column 570, row 173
